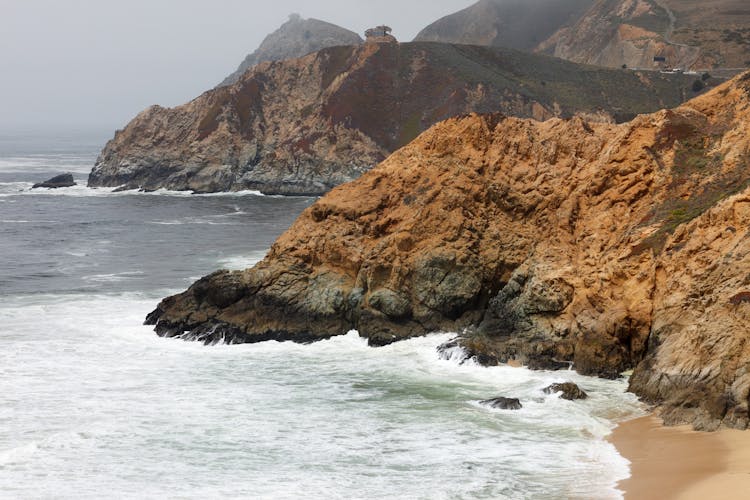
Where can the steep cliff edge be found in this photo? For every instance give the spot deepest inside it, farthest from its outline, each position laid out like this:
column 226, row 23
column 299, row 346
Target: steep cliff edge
column 295, row 38
column 604, row 246
column 302, row 126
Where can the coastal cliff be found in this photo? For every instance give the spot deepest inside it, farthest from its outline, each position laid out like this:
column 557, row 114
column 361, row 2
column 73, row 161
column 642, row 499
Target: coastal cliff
column 302, row 126
column 565, row 242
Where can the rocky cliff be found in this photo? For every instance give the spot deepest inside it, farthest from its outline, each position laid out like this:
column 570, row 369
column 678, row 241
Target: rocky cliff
column 302, row 126
column 686, row 33
column 608, row 247
column 295, row 38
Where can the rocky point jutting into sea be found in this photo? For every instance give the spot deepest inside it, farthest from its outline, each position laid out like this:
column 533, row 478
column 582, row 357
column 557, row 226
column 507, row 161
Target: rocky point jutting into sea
column 302, row 126
column 608, row 247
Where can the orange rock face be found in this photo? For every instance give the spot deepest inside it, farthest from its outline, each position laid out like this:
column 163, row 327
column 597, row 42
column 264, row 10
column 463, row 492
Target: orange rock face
column 608, row 247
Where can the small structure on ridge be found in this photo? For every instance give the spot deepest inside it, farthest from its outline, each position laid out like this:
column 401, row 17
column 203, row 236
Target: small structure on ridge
column 380, row 34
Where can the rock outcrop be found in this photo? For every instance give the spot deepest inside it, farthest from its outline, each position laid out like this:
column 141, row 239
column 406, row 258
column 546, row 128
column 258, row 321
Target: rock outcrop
column 58, row 181
column 302, row 126
column 604, row 246
column 568, row 390
column 295, row 38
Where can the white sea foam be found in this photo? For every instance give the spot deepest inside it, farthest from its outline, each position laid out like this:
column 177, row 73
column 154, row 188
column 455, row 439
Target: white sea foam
column 114, row 277
column 91, row 401
column 226, row 219
column 8, row 189
column 240, row 262
column 73, row 163
column 18, row 454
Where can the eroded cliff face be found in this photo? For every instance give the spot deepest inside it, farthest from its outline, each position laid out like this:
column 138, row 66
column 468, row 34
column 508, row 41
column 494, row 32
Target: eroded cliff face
column 553, row 243
column 302, row 126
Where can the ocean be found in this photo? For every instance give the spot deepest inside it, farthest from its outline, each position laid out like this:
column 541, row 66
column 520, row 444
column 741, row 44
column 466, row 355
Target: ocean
column 93, row 404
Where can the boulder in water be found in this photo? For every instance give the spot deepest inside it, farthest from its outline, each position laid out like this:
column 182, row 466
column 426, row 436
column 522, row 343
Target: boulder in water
column 58, row 181
column 502, row 403
column 569, row 391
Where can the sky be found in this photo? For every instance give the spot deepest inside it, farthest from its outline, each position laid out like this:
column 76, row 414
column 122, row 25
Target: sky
column 68, row 64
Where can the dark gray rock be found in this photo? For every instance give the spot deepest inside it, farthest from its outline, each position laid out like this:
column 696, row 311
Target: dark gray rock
column 390, row 303
column 58, row 181
column 503, row 403
column 569, row 391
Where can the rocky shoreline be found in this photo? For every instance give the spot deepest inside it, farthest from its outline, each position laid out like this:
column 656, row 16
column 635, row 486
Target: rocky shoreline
column 302, row 126
column 565, row 242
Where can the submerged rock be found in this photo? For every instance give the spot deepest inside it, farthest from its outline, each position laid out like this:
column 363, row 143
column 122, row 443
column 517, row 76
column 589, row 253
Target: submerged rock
column 502, row 403
column 58, row 181
column 569, row 391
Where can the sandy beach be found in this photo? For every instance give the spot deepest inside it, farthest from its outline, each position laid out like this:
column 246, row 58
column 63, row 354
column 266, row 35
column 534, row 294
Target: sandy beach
column 679, row 463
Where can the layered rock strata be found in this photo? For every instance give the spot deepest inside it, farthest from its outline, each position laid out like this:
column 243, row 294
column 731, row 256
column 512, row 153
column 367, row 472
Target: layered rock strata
column 564, row 242
column 302, row 126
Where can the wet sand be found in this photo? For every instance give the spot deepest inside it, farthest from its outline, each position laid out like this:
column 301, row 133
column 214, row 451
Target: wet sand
column 679, row 463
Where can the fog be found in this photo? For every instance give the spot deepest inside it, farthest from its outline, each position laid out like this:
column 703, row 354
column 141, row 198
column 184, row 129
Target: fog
column 97, row 63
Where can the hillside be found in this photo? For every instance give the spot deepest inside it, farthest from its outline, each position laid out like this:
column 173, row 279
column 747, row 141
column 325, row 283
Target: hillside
column 295, row 38
column 302, row 126
column 604, row 246
column 518, row 24
column 688, row 34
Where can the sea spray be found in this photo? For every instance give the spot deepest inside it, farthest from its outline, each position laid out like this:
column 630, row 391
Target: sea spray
column 107, row 405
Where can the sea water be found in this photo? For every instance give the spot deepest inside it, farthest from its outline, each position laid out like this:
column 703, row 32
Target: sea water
column 93, row 404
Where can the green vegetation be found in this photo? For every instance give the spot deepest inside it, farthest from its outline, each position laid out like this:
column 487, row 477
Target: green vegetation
column 655, row 23
column 574, row 87
column 682, row 211
column 738, row 36
column 694, row 165
column 691, row 157
column 715, row 187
